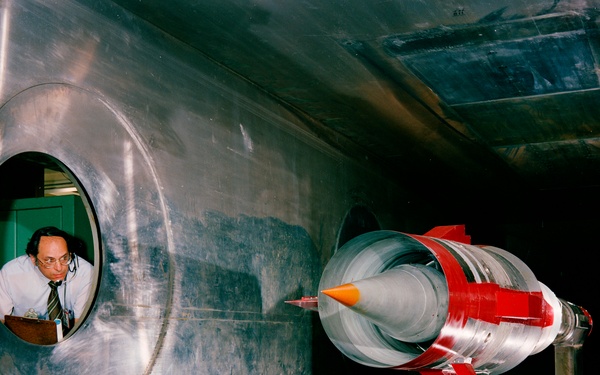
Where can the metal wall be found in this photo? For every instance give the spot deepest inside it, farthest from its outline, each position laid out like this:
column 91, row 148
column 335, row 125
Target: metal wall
column 213, row 204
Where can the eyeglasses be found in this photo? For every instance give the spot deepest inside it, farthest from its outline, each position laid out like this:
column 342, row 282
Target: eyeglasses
column 63, row 261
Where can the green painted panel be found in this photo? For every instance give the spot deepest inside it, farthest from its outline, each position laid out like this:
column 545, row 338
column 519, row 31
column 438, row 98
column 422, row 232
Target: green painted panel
column 31, row 219
column 8, row 236
column 19, row 218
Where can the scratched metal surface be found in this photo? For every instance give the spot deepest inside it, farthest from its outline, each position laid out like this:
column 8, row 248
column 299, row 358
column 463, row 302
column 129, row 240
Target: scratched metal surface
column 216, row 195
column 505, row 90
column 214, row 205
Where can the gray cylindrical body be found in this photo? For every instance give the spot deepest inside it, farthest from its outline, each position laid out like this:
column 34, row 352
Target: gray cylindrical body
column 415, row 304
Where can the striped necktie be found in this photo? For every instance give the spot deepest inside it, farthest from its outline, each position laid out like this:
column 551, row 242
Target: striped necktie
column 55, row 310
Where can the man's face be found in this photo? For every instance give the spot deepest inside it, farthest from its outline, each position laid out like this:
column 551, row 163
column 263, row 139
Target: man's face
column 51, row 249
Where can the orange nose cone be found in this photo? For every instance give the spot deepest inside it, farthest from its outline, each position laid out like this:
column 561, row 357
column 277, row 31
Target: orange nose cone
column 346, row 294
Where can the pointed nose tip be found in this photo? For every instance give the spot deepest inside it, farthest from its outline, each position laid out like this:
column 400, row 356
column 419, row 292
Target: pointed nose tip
column 346, row 294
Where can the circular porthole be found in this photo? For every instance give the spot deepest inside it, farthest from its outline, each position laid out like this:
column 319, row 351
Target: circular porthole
column 98, row 147
column 43, row 200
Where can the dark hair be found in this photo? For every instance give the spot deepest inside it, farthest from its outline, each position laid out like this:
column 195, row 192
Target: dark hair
column 34, row 241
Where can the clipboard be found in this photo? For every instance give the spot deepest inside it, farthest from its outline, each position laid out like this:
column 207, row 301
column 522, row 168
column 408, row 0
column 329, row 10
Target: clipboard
column 36, row 331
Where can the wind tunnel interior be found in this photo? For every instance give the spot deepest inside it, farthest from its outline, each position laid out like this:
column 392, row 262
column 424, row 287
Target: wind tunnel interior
column 215, row 204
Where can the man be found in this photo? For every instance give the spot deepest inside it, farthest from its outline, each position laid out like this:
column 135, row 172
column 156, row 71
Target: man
column 50, row 256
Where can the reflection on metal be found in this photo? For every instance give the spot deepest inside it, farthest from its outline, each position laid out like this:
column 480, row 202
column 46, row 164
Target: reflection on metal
column 4, row 32
column 576, row 327
column 143, row 297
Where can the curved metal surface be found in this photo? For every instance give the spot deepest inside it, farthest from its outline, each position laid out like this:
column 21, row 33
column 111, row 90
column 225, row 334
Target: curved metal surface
column 219, row 186
column 118, row 179
column 576, row 327
column 213, row 203
column 506, row 90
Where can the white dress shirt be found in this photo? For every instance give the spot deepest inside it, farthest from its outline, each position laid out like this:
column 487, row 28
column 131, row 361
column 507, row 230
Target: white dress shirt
column 24, row 287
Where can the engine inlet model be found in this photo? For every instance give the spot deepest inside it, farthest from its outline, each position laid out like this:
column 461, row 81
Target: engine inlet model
column 439, row 305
